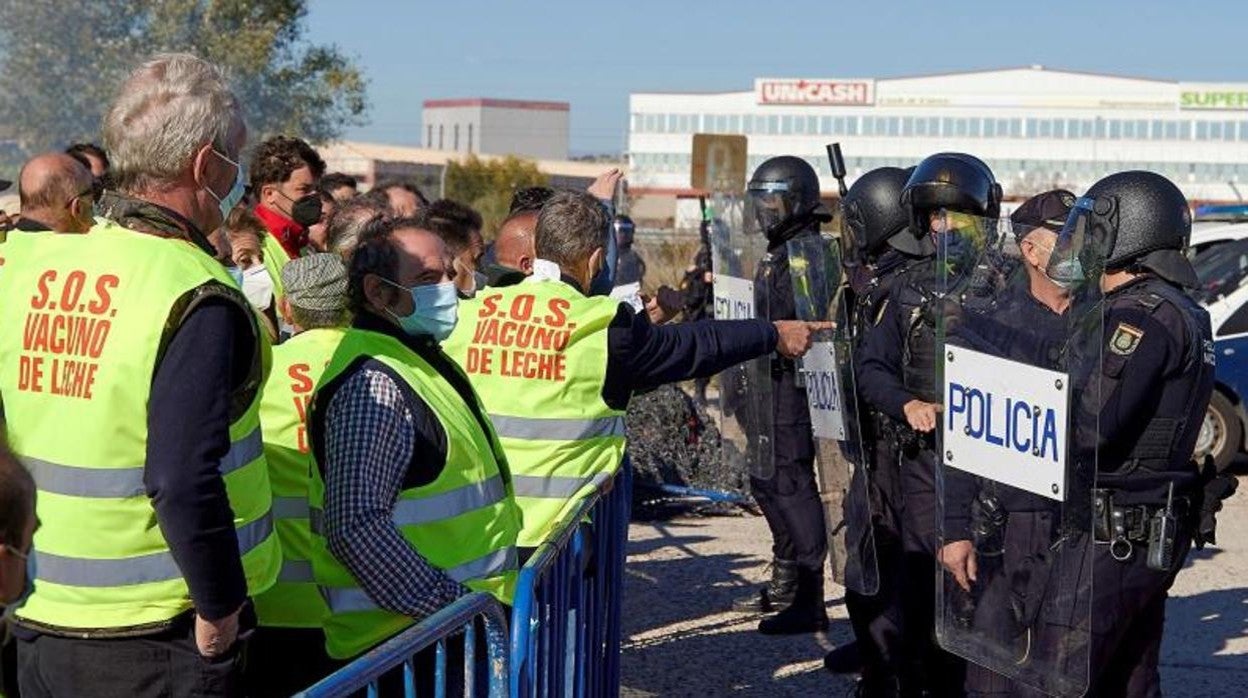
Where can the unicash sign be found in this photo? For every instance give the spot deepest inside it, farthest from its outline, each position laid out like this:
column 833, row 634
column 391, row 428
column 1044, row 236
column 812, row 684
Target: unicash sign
column 814, row 92
column 1006, row 421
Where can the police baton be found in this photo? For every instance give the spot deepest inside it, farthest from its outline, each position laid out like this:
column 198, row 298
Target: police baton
column 838, row 167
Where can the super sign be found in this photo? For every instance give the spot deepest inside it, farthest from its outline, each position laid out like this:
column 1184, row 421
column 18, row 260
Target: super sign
column 1006, row 421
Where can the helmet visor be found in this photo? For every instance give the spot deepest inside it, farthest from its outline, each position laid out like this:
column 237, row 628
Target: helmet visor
column 1082, row 245
column 770, row 204
column 853, row 232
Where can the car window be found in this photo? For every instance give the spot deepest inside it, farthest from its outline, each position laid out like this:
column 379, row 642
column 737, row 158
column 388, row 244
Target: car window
column 1237, row 323
column 1221, row 269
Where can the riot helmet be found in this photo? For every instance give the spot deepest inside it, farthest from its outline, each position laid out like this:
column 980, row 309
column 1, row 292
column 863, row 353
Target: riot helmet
column 1131, row 220
column 624, row 231
column 953, row 182
column 873, row 218
column 782, row 198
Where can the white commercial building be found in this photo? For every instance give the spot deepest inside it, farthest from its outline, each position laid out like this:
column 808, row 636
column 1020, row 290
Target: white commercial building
column 526, row 128
column 1036, row 128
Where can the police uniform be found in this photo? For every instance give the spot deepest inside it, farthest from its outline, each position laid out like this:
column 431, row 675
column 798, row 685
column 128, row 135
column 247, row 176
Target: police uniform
column 877, row 619
column 783, row 204
column 1011, row 528
column 897, row 364
column 789, row 499
column 1155, row 383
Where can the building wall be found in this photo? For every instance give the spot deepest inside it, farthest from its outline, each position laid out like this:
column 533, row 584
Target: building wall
column 498, row 127
column 1036, row 128
column 453, row 128
column 535, row 133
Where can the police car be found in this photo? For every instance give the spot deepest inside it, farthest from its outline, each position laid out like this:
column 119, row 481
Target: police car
column 1214, row 226
column 1223, row 273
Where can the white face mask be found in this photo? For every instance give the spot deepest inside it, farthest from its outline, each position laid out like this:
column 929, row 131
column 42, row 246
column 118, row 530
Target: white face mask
column 257, row 285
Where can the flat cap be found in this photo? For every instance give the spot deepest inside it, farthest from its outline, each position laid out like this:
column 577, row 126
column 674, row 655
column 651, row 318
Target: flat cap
column 1045, row 210
column 316, row 282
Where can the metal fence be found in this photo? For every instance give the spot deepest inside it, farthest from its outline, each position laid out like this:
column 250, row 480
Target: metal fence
column 393, row 665
column 565, row 626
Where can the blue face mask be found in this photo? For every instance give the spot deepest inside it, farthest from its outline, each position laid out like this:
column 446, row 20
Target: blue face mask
column 236, row 274
column 435, row 310
column 27, row 588
column 236, row 192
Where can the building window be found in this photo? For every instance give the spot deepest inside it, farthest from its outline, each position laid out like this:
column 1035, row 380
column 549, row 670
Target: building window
column 773, row 125
column 973, row 127
column 908, row 126
column 441, row 143
column 470, row 138
column 1172, row 130
column 990, row 128
column 786, row 125
column 429, row 136
column 894, row 127
column 455, row 147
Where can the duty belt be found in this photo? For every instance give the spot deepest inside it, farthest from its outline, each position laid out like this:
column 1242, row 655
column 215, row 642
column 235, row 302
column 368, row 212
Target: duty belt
column 1123, row 526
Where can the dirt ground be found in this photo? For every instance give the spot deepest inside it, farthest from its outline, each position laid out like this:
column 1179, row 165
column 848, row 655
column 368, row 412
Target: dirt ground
column 683, row 573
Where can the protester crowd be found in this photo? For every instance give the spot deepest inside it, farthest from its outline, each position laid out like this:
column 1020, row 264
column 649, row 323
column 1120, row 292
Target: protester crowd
column 261, row 420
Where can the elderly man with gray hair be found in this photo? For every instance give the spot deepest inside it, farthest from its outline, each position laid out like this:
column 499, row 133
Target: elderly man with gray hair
column 156, row 522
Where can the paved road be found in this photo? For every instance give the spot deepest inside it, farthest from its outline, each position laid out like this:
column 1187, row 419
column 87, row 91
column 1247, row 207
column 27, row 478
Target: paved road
column 682, row 574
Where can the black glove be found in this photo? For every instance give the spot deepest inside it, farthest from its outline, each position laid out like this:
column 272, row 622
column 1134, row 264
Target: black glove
column 1221, row 487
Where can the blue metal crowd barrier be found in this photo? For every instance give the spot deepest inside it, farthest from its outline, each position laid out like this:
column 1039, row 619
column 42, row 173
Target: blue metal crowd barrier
column 565, row 625
column 366, row 672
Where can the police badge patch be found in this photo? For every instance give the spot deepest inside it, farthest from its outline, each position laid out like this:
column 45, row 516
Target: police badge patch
column 1125, row 340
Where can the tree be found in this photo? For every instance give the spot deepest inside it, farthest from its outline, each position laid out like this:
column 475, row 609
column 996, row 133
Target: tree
column 487, row 186
column 60, row 64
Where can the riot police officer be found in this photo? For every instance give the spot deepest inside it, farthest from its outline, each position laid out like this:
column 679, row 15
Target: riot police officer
column 896, row 369
column 629, row 266
column 784, row 203
column 879, row 250
column 995, row 536
column 1148, row 400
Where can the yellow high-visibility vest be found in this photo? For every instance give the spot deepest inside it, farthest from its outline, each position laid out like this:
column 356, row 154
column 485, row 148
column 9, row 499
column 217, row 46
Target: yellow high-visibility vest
column 87, row 318
column 294, row 601
column 465, row 522
column 536, row 353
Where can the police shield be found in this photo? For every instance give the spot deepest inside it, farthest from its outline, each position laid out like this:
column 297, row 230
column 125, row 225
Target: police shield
column 1016, row 471
column 744, row 390
column 831, row 392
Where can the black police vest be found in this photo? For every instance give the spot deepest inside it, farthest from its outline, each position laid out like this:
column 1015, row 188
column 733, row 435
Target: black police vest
column 1167, row 441
column 870, row 303
column 916, row 298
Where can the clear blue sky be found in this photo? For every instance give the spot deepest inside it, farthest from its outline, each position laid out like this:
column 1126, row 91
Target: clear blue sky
column 594, row 54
